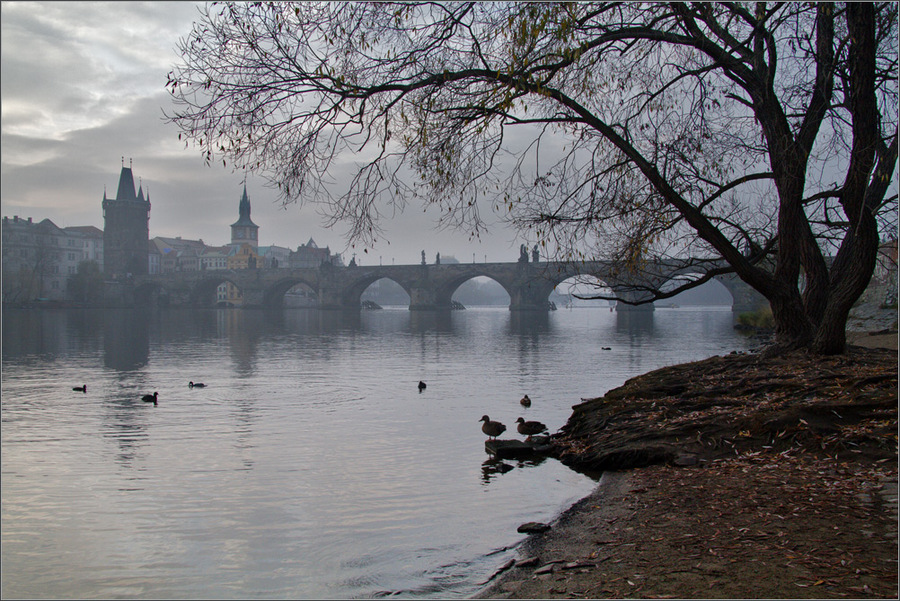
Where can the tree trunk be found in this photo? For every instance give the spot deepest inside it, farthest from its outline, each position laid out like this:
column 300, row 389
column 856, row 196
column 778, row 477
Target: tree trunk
column 792, row 328
column 850, row 275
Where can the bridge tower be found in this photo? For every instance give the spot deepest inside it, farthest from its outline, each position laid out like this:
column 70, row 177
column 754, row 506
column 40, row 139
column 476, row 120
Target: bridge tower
column 244, row 231
column 126, row 228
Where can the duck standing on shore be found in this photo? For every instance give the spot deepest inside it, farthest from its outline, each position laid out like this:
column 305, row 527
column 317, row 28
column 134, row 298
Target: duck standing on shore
column 491, row 428
column 150, row 398
column 529, row 429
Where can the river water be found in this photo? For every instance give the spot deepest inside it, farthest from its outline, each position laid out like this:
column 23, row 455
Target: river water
column 310, row 466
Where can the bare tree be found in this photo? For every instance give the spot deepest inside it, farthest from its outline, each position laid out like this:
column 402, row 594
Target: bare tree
column 759, row 139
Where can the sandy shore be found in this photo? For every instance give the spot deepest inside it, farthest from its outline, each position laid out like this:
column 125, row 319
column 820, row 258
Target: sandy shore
column 758, row 525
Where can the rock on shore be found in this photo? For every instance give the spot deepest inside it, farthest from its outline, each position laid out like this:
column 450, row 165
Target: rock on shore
column 721, row 406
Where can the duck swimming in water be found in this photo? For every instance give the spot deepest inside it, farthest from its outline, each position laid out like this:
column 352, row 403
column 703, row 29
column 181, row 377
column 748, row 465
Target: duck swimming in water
column 526, row 402
column 150, row 398
column 529, row 429
column 491, row 428
column 82, row 388
column 196, row 384
column 421, row 385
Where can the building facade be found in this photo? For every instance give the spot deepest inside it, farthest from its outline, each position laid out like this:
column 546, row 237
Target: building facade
column 38, row 259
column 310, row 255
column 91, row 242
column 126, row 229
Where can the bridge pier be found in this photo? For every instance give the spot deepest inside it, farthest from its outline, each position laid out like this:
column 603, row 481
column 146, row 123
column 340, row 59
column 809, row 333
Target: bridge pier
column 254, row 298
column 627, row 294
column 625, row 307
column 425, row 294
column 423, row 298
column 331, row 297
column 745, row 298
column 531, row 292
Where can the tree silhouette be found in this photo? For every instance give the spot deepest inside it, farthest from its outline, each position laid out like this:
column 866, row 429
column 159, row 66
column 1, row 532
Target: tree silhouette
column 759, row 139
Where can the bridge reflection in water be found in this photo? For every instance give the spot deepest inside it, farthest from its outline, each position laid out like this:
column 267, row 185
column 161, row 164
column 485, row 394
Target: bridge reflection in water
column 430, row 287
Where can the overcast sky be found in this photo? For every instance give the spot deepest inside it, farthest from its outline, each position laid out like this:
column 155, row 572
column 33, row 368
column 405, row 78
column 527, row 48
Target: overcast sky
column 83, row 85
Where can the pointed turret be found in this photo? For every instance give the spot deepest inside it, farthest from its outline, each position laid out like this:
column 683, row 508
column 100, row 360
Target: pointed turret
column 244, row 211
column 244, row 231
column 126, row 185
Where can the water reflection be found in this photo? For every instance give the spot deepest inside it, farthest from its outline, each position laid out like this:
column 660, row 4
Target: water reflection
column 126, row 340
column 529, row 323
column 493, row 467
column 423, row 322
column 33, row 334
column 125, row 426
column 637, row 324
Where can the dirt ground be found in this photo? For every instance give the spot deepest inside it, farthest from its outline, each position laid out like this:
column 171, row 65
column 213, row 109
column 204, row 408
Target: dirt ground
column 798, row 520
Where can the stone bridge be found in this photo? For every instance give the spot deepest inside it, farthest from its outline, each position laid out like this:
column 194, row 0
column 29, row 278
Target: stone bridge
column 430, row 287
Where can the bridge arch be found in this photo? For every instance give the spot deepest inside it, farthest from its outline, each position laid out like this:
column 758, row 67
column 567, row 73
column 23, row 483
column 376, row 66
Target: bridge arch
column 274, row 294
column 445, row 290
column 582, row 285
column 386, row 291
column 481, row 290
column 352, row 294
column 205, row 292
column 151, row 294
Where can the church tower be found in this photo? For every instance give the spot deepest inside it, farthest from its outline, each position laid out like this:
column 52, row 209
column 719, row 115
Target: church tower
column 244, row 231
column 126, row 228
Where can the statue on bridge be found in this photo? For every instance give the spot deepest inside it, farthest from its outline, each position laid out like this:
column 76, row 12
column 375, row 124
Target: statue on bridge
column 523, row 253
column 437, row 259
column 535, row 254
column 423, row 257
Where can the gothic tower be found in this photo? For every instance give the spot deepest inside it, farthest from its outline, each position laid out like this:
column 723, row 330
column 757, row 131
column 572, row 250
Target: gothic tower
column 126, row 228
column 244, row 231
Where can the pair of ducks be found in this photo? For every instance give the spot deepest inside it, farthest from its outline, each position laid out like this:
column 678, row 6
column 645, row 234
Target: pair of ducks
column 147, row 398
column 494, row 428
column 529, row 429
column 152, row 398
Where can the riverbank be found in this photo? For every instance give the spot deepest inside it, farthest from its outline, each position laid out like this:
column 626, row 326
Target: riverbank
column 734, row 477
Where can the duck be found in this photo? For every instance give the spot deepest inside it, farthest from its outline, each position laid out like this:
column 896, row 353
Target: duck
column 526, row 402
column 82, row 388
column 150, row 398
column 196, row 384
column 492, row 429
column 421, row 385
column 529, row 428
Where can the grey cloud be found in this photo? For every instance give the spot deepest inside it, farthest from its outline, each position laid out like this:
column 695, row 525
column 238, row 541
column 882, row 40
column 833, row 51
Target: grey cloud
column 103, row 67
